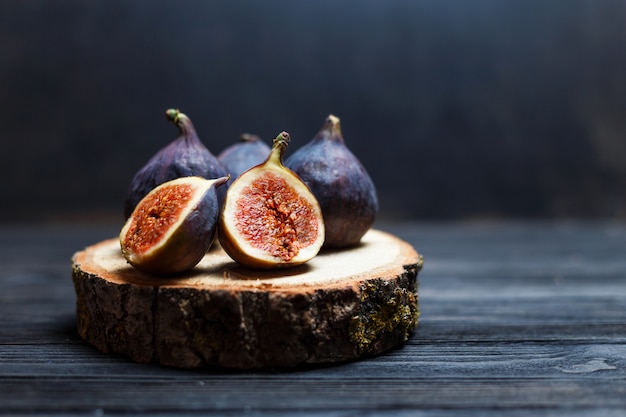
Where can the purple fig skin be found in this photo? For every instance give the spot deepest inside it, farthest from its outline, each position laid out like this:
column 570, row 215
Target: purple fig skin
column 186, row 156
column 342, row 186
column 191, row 241
column 249, row 152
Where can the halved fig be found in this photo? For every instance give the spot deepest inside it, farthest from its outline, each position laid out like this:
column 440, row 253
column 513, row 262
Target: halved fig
column 270, row 218
column 173, row 226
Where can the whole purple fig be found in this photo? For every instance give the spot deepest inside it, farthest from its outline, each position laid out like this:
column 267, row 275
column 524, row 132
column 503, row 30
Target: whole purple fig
column 340, row 183
column 239, row 157
column 186, row 156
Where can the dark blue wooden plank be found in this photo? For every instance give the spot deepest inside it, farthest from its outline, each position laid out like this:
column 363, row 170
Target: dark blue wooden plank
column 518, row 318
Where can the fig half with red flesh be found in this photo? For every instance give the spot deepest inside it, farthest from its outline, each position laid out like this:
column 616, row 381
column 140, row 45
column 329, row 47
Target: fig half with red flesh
column 270, row 218
column 172, row 227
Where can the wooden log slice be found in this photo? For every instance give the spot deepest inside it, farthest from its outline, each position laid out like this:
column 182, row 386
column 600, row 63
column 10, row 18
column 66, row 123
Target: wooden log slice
column 340, row 306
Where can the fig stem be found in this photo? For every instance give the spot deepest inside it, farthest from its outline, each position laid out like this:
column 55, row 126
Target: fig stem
column 182, row 122
column 172, row 115
column 248, row 137
column 221, row 180
column 333, row 125
column 280, row 144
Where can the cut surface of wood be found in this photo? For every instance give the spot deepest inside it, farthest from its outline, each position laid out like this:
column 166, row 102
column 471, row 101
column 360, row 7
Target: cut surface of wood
column 342, row 305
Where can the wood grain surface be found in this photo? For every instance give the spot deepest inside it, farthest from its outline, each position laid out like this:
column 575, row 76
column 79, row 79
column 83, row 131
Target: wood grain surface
column 341, row 305
column 517, row 319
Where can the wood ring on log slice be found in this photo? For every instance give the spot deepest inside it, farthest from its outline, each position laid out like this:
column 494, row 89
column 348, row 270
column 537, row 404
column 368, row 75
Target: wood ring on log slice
column 340, row 306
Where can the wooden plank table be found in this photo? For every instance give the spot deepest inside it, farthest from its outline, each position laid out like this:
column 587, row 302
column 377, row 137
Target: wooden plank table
column 517, row 319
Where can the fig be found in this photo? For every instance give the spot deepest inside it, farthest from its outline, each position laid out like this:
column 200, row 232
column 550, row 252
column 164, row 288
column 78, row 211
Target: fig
column 173, row 226
column 248, row 152
column 186, row 156
column 270, row 218
column 342, row 186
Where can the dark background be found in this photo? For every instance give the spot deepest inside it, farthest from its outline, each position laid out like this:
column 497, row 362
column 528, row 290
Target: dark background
column 459, row 109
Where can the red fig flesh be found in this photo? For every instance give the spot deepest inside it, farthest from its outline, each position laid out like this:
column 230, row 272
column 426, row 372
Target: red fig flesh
column 173, row 226
column 270, row 218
